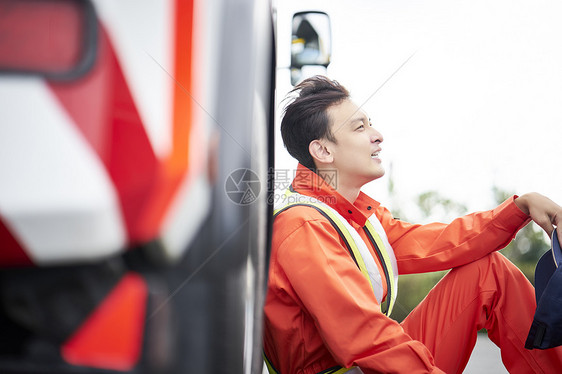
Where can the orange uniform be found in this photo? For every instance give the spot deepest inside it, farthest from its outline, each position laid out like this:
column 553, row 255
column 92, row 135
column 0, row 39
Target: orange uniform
column 320, row 311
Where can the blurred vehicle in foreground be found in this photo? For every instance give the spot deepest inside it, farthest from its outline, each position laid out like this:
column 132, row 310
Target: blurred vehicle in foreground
column 135, row 140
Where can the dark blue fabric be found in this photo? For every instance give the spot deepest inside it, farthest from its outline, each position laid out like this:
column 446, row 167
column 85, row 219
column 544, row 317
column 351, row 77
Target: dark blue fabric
column 546, row 330
column 543, row 272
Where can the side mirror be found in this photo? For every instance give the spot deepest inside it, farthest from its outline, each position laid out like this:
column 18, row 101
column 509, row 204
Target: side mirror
column 311, row 43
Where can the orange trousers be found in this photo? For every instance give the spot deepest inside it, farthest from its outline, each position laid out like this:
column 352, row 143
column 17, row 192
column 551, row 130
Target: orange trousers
column 490, row 293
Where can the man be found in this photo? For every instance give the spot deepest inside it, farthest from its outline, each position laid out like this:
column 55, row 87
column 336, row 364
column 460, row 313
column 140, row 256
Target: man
column 336, row 253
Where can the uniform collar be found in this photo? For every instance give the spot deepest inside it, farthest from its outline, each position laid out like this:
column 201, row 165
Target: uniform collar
column 309, row 183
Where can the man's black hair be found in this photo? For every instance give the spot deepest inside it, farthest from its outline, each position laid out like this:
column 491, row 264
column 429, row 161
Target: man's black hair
column 306, row 117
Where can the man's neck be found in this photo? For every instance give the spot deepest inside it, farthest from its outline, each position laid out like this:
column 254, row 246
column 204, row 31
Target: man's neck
column 350, row 192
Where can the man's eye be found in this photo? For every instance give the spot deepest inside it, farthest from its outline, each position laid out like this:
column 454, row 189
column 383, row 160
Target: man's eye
column 360, row 127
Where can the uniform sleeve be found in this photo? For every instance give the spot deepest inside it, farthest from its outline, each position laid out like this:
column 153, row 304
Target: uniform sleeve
column 438, row 246
column 340, row 301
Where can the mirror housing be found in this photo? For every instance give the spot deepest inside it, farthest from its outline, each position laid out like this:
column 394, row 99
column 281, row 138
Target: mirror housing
column 311, row 44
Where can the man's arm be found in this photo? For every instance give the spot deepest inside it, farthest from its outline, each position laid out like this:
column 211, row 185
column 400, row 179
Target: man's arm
column 440, row 246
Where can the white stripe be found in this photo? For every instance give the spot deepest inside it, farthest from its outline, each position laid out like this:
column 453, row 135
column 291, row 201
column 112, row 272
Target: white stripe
column 380, row 230
column 370, row 264
column 184, row 218
column 54, row 191
column 142, row 34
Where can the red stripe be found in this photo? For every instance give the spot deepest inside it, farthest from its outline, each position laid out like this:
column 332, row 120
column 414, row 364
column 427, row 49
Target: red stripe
column 111, row 338
column 11, row 252
column 174, row 167
column 102, row 107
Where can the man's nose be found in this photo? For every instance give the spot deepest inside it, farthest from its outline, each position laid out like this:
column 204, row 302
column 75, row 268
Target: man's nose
column 376, row 137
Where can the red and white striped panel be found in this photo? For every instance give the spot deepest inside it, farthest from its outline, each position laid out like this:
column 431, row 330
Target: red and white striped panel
column 92, row 166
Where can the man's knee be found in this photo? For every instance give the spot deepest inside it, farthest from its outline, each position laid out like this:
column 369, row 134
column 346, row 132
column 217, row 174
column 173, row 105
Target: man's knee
column 493, row 263
column 493, row 268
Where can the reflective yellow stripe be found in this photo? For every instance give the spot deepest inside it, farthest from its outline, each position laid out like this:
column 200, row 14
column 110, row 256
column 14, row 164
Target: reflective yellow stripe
column 270, row 367
column 286, row 197
column 386, row 263
column 349, row 240
column 345, row 232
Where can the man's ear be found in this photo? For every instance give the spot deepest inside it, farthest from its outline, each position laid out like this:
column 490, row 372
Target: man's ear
column 320, row 152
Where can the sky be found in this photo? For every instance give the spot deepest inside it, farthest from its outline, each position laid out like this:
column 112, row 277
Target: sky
column 476, row 105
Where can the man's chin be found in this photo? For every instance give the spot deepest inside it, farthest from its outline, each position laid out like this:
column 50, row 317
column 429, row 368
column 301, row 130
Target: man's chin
column 374, row 176
column 378, row 174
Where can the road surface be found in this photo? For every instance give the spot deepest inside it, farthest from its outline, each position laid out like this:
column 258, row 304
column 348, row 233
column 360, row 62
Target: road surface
column 485, row 358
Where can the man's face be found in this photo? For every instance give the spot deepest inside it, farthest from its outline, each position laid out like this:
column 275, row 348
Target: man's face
column 356, row 150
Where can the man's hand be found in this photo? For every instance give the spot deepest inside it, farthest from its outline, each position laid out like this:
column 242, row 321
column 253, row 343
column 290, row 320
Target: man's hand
column 545, row 212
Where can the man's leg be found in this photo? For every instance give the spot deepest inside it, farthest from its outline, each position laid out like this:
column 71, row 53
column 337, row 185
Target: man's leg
column 489, row 293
